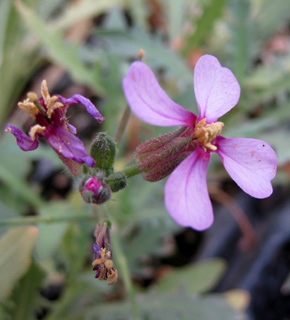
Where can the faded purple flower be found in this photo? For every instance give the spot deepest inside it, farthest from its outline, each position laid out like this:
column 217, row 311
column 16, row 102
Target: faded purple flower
column 103, row 264
column 251, row 163
column 52, row 125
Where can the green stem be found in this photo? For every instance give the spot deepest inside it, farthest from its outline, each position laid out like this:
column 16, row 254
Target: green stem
column 46, row 219
column 122, row 263
column 122, row 124
column 132, row 171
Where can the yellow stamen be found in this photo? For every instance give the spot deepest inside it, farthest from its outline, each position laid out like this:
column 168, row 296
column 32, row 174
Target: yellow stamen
column 36, row 129
column 113, row 276
column 29, row 107
column 32, row 96
column 50, row 102
column 106, row 266
column 205, row 133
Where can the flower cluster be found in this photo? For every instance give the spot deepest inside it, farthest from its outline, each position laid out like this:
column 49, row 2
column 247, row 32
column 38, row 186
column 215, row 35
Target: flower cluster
column 50, row 114
column 251, row 163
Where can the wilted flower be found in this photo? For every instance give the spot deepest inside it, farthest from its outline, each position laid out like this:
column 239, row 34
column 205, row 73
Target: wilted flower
column 251, row 163
column 50, row 114
column 103, row 264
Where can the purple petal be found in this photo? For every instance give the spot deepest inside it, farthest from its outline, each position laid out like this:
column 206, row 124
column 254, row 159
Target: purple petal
column 186, row 194
column 78, row 99
column 23, row 141
column 251, row 163
column 73, row 129
column 216, row 89
column 149, row 102
column 68, row 145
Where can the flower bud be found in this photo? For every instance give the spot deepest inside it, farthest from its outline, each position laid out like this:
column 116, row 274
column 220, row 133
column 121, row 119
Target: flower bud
column 158, row 157
column 94, row 191
column 103, row 150
column 116, row 181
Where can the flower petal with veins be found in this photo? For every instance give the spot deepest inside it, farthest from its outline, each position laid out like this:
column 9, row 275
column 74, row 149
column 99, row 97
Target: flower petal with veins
column 216, row 89
column 251, row 163
column 186, row 194
column 149, row 102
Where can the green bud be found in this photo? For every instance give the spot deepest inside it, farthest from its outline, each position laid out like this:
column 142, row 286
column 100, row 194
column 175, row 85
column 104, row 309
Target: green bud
column 103, row 150
column 116, row 181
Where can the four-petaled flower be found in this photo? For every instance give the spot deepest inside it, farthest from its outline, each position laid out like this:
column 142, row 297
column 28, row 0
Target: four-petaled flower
column 251, row 163
column 50, row 114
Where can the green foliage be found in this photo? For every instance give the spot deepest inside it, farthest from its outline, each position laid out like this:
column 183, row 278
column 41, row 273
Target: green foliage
column 33, row 35
column 62, row 53
column 169, row 307
column 16, row 246
column 190, row 280
column 203, row 26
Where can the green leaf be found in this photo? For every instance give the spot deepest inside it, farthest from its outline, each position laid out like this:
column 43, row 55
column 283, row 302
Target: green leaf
column 26, row 293
column 204, row 25
column 17, row 59
column 61, row 52
column 16, row 248
column 83, row 10
column 196, row 278
column 47, row 244
column 175, row 13
column 20, row 187
column 168, row 307
column 127, row 44
column 240, row 37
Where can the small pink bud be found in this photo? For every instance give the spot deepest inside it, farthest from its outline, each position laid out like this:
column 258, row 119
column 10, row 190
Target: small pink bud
column 94, row 191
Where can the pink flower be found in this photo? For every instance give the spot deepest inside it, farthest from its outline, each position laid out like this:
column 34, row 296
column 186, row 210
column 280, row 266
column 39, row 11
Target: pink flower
column 50, row 114
column 251, row 163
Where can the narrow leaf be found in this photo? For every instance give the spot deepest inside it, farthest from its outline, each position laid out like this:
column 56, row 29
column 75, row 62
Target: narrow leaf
column 16, row 247
column 204, row 24
column 61, row 52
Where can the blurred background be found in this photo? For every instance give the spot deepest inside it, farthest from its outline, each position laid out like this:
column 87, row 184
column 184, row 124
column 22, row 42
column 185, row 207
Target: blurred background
column 239, row 268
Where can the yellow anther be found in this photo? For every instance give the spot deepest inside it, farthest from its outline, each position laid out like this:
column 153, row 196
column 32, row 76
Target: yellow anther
column 205, row 133
column 109, row 264
column 44, row 91
column 50, row 102
column 36, row 129
column 113, row 276
column 29, row 107
column 32, row 96
column 141, row 54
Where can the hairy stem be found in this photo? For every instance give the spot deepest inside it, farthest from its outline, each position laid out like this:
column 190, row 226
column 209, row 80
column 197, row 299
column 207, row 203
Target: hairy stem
column 122, row 263
column 132, row 171
column 122, row 124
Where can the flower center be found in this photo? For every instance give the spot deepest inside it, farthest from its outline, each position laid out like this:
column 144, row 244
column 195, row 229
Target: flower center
column 32, row 106
column 205, row 133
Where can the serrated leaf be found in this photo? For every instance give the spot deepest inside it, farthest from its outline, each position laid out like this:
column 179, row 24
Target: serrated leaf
column 196, row 278
column 16, row 247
